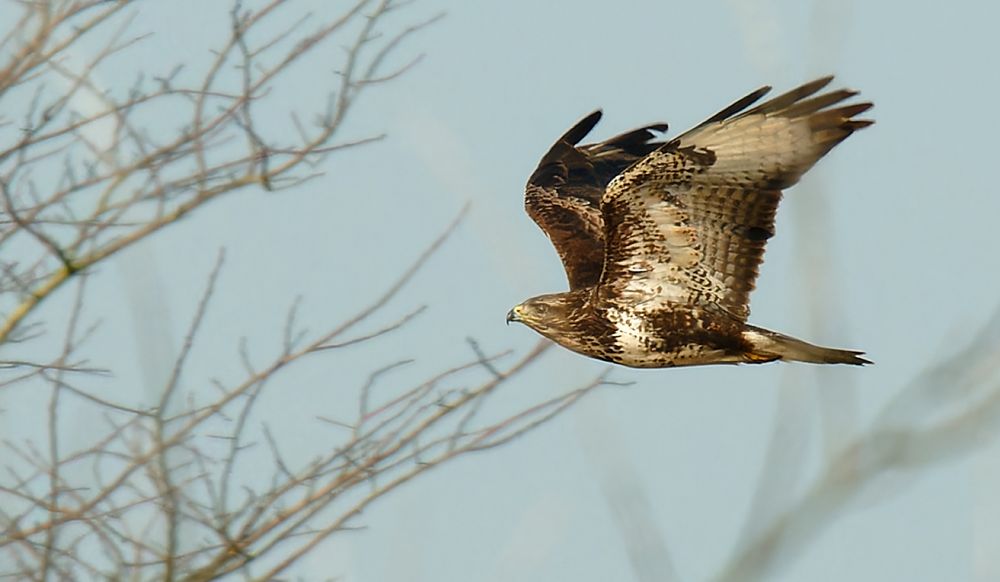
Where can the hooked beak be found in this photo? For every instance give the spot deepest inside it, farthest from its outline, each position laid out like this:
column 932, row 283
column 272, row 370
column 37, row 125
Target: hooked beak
column 512, row 316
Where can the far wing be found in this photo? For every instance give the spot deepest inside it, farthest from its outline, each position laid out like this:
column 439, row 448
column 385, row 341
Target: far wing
column 563, row 195
column 690, row 221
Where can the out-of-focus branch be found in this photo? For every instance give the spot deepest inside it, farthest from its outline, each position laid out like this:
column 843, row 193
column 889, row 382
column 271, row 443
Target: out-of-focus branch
column 951, row 408
column 627, row 499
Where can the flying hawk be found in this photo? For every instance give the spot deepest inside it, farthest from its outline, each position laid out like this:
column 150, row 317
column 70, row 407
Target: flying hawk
column 661, row 239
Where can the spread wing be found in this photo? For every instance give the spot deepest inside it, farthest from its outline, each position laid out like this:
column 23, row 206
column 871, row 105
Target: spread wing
column 563, row 195
column 688, row 223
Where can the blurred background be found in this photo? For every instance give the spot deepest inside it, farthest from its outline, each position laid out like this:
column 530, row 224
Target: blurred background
column 716, row 473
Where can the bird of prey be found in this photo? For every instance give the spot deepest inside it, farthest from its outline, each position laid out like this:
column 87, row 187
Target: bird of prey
column 661, row 239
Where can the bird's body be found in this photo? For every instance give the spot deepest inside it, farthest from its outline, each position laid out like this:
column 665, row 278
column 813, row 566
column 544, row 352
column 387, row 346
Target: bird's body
column 661, row 240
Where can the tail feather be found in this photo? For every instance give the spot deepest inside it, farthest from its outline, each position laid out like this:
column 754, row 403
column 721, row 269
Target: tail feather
column 766, row 345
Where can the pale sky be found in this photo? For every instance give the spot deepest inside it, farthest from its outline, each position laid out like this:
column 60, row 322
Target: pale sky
column 887, row 246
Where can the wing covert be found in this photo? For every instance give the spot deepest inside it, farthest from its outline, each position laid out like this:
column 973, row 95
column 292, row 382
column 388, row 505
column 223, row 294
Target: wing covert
column 689, row 222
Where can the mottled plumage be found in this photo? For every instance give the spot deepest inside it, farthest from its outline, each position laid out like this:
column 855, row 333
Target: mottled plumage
column 662, row 239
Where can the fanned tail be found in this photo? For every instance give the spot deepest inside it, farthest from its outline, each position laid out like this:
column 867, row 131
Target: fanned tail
column 766, row 346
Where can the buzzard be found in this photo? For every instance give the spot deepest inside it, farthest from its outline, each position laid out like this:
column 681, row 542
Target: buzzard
column 661, row 239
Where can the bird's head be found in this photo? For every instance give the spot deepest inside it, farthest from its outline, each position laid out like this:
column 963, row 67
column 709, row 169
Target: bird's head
column 543, row 313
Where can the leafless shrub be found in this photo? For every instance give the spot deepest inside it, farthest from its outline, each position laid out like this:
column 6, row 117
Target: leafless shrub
column 161, row 492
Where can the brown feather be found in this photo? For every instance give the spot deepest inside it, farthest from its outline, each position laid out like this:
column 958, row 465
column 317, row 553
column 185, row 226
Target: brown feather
column 564, row 192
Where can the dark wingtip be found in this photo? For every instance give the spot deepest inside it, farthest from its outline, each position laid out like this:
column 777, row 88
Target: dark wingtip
column 789, row 98
column 582, row 128
column 738, row 106
column 551, row 168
